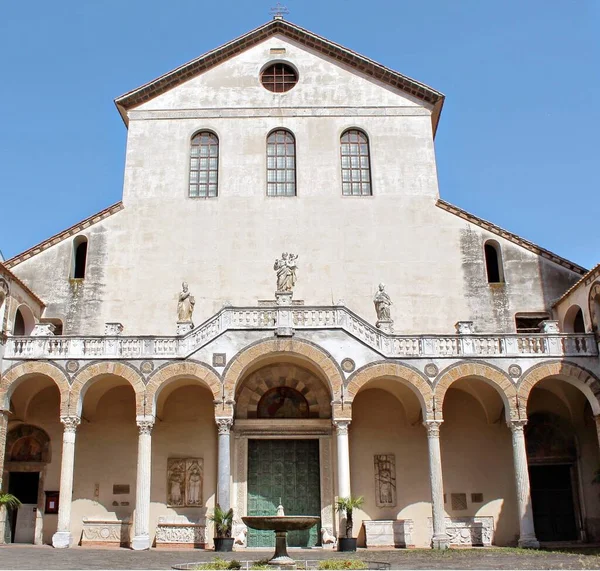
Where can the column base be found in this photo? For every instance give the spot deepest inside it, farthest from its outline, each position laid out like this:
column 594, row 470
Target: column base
column 140, row 542
column 529, row 543
column 61, row 539
column 440, row 542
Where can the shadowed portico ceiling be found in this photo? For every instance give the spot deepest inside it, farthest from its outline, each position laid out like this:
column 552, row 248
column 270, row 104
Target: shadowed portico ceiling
column 343, row 55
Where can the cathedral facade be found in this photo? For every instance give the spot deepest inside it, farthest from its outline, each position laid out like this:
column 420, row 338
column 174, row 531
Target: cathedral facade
column 282, row 309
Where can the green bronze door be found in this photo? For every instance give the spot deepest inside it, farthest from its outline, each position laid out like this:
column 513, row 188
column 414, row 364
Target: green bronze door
column 286, row 469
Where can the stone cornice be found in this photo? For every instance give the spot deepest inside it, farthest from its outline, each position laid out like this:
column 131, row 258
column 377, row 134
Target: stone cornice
column 490, row 227
column 343, row 55
column 75, row 229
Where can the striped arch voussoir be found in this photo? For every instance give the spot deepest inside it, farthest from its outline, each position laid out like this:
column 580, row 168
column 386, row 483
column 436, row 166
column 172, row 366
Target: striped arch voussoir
column 14, row 375
column 126, row 372
column 293, row 347
column 572, row 373
column 393, row 370
column 189, row 369
column 493, row 376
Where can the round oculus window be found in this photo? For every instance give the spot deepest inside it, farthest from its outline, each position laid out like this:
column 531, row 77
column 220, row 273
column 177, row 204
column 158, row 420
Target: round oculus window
column 279, row 77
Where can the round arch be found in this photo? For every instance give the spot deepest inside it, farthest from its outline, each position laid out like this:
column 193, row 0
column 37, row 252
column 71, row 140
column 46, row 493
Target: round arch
column 266, row 350
column 490, row 375
column 195, row 370
column 573, row 320
column 13, row 377
column 27, row 320
column 88, row 374
column 569, row 372
column 401, row 373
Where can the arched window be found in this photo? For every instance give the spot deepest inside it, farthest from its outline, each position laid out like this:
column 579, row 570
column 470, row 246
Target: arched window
column 573, row 321
column 281, row 164
column 204, row 164
column 356, row 164
column 493, row 262
column 80, row 245
column 24, row 321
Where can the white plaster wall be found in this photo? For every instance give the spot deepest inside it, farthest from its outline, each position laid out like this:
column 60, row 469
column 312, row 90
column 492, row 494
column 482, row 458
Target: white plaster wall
column 431, row 261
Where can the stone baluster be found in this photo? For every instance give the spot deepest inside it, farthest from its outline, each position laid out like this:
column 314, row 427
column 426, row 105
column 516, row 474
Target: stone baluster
column 526, row 529
column 224, row 463
column 440, row 538
column 62, row 537
column 141, row 538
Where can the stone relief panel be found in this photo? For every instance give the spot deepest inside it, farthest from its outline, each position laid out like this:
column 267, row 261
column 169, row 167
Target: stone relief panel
column 185, row 478
column 385, row 480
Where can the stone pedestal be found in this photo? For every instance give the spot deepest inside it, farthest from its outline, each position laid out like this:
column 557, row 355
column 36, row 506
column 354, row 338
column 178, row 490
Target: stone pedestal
column 62, row 537
column 389, row 533
column 385, row 325
column 464, row 327
column 43, row 330
column 100, row 531
column 179, row 532
column 113, row 329
column 184, row 327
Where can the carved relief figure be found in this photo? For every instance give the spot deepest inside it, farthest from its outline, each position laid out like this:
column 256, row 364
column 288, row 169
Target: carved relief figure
column 194, row 483
column 175, row 481
column 185, row 306
column 382, row 303
column 286, row 271
column 385, row 480
column 184, row 481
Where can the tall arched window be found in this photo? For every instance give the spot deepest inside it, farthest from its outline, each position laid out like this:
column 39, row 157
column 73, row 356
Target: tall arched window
column 204, row 164
column 281, row 164
column 493, row 262
column 356, row 164
column 80, row 245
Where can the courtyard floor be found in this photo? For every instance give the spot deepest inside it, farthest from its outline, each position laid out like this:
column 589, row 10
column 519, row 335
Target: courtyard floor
column 45, row 557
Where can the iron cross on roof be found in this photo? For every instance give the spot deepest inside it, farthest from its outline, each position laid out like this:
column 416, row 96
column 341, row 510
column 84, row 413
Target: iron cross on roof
column 278, row 11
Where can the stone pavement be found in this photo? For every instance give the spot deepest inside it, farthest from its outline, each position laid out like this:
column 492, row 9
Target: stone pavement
column 45, row 557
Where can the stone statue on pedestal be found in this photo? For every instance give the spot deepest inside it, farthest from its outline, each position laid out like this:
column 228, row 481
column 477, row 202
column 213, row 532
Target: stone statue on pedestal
column 286, row 272
column 185, row 307
column 383, row 303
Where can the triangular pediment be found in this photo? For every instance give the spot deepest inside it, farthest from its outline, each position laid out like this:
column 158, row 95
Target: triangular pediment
column 330, row 50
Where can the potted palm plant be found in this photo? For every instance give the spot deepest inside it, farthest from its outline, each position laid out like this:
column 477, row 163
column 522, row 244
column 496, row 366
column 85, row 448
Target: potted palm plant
column 8, row 502
column 346, row 506
column 223, row 521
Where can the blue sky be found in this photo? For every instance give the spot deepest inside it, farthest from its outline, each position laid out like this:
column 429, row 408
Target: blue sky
column 517, row 142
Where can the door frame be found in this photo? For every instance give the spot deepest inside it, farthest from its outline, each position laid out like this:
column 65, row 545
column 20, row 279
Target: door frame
column 282, row 429
column 40, row 467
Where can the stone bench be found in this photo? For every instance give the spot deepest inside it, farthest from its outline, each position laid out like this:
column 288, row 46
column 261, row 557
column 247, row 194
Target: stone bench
column 179, row 531
column 105, row 531
column 389, row 532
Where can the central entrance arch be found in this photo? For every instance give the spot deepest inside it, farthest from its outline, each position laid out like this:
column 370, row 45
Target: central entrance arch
column 282, row 449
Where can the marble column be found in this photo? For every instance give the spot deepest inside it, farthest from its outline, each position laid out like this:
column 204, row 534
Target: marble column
column 343, row 458
column 62, row 537
column 141, row 538
column 526, row 529
column 440, row 538
column 224, row 463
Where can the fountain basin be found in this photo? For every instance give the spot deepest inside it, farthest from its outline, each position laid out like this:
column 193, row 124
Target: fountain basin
column 280, row 522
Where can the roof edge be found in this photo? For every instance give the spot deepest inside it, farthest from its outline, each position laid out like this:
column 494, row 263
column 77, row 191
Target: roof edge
column 313, row 41
column 75, row 229
column 516, row 239
column 591, row 276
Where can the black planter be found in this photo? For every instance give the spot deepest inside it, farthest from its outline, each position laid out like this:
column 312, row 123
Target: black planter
column 223, row 543
column 347, row 544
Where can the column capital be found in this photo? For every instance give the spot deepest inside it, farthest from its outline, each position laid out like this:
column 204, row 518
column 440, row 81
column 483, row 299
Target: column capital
column 224, row 425
column 145, row 424
column 517, row 425
column 433, row 427
column 70, row 423
column 341, row 426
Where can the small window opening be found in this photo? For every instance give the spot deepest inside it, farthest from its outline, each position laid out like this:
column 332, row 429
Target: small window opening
column 578, row 323
column 80, row 253
column 530, row 322
column 19, row 326
column 493, row 263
